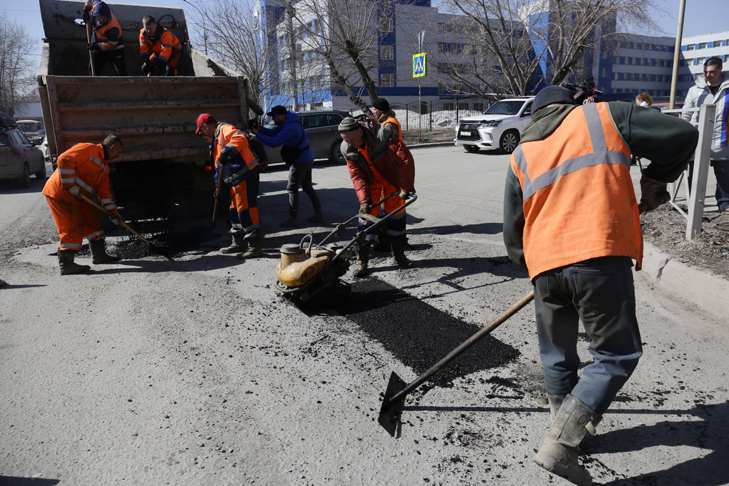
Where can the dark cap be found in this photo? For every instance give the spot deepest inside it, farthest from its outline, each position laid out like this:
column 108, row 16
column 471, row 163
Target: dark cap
column 277, row 110
column 381, row 104
column 348, row 124
column 552, row 94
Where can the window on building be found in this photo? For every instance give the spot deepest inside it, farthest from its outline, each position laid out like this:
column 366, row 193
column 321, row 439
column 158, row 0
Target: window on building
column 689, row 47
column 387, row 80
column 697, row 61
column 621, row 76
column 385, row 24
column 621, row 60
column 450, row 48
column 448, row 106
column 462, row 106
column 701, row 45
column 630, row 61
column 387, row 53
column 478, row 106
column 654, row 62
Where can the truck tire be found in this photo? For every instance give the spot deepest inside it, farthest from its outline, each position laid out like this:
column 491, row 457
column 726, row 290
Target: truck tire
column 509, row 141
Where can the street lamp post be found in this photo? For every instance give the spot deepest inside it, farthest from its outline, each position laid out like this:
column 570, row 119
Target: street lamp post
column 421, row 38
column 677, row 53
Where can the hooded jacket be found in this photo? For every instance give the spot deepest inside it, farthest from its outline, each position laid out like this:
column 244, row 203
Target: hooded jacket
column 291, row 134
column 699, row 96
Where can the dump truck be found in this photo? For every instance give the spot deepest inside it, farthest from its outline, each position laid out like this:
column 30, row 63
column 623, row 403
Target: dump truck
column 164, row 174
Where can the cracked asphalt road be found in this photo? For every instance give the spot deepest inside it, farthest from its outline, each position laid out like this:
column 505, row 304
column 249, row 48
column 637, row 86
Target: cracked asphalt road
column 148, row 372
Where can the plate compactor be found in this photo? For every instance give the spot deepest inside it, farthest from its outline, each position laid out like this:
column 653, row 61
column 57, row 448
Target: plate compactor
column 308, row 270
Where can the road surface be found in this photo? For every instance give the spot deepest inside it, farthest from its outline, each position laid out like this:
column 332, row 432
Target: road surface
column 148, row 372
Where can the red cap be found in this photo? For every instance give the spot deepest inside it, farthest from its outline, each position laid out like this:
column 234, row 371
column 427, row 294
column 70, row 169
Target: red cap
column 203, row 119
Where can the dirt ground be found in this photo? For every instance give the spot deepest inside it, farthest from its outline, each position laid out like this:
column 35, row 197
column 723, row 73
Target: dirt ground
column 666, row 228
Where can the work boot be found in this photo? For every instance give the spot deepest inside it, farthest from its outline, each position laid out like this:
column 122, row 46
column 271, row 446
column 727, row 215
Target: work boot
column 592, row 425
column 255, row 248
column 237, row 245
column 67, row 265
column 558, row 453
column 99, row 255
column 554, row 403
column 398, row 251
column 361, row 270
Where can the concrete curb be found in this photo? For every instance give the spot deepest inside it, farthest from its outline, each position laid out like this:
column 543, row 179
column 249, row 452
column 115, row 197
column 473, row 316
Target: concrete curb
column 701, row 287
column 431, row 144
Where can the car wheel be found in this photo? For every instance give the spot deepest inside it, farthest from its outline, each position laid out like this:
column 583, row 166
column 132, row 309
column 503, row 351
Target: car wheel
column 335, row 154
column 509, row 141
column 471, row 149
column 41, row 174
column 24, row 180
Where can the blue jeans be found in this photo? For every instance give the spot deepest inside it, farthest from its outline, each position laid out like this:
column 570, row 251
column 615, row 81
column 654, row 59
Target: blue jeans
column 600, row 293
column 721, row 171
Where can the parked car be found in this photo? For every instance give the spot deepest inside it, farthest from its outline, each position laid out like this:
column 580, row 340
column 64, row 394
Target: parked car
column 33, row 129
column 19, row 159
column 499, row 127
column 321, row 129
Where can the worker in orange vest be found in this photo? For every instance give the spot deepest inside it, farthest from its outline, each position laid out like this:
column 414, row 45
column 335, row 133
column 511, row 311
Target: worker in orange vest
column 159, row 48
column 571, row 217
column 107, row 44
column 82, row 169
column 375, row 173
column 230, row 152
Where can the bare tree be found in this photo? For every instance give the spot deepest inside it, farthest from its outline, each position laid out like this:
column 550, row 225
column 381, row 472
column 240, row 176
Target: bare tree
column 15, row 70
column 522, row 34
column 343, row 34
column 236, row 38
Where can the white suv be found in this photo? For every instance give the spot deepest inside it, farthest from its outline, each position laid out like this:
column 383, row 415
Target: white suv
column 499, row 127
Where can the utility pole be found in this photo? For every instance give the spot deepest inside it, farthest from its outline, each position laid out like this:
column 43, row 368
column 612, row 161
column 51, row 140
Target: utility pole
column 677, row 53
column 292, row 51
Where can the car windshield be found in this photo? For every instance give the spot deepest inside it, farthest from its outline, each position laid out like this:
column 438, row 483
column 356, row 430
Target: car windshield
column 29, row 126
column 505, row 107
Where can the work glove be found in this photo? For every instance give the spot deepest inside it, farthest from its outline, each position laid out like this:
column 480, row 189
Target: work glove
column 364, row 207
column 653, row 193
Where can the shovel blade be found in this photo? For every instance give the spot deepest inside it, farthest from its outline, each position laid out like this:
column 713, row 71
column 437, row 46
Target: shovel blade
column 390, row 411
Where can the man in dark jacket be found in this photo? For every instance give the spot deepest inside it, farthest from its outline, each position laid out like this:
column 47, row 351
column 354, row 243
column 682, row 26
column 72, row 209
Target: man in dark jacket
column 571, row 217
column 290, row 134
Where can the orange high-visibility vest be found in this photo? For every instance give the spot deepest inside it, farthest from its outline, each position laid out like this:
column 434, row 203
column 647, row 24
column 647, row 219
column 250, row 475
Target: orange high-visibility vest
column 403, row 155
column 578, row 196
column 167, row 47
column 81, row 168
column 100, row 35
column 228, row 135
column 394, row 121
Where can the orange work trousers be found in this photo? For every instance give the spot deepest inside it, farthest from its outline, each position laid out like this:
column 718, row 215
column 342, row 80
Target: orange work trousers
column 75, row 220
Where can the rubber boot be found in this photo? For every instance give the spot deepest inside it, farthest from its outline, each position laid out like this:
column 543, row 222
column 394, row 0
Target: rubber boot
column 67, row 265
column 99, row 255
column 555, row 403
column 558, row 453
column 255, row 248
column 398, row 252
column 592, row 425
column 361, row 270
column 237, row 245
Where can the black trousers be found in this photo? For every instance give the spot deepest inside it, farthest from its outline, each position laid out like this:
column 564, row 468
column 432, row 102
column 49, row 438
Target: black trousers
column 300, row 176
column 599, row 293
column 101, row 58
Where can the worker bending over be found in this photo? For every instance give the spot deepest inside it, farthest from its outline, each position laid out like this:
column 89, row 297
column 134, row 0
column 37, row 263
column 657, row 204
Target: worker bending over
column 82, row 170
column 106, row 43
column 159, row 49
column 375, row 173
column 238, row 168
column 571, row 217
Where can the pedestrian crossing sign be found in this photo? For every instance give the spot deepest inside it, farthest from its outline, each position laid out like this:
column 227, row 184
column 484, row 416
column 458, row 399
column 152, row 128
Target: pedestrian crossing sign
column 419, row 65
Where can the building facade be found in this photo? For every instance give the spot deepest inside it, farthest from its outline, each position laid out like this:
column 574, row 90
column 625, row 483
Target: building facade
column 695, row 50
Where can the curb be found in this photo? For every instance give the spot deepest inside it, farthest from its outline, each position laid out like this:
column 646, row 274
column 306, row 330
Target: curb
column 430, row 144
column 701, row 287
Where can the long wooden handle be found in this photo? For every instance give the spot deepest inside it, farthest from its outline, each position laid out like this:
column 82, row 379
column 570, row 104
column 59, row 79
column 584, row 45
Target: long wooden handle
column 88, row 44
column 516, row 307
column 121, row 222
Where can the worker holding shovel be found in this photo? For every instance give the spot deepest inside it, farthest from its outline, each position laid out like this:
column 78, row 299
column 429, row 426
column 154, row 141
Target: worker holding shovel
column 571, row 217
column 82, row 173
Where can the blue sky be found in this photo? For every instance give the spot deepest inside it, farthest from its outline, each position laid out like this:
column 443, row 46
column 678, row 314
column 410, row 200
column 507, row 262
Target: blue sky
column 702, row 16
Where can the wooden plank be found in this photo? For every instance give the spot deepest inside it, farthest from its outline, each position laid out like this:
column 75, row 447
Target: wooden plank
column 702, row 159
column 167, row 153
column 91, row 133
column 191, row 104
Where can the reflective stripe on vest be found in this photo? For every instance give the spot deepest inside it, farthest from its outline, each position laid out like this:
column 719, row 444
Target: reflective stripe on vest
column 578, row 196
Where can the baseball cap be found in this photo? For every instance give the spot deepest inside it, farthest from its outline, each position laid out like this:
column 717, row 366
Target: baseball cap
column 203, row 119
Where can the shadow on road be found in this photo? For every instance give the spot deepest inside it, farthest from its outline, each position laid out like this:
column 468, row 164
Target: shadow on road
column 11, row 187
column 417, row 333
column 20, row 286
column 13, row 481
column 710, row 432
column 476, row 229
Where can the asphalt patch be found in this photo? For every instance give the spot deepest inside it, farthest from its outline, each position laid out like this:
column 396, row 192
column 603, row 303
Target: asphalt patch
column 419, row 334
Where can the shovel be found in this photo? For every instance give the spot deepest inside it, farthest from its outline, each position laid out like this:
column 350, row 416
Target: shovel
column 394, row 399
column 152, row 247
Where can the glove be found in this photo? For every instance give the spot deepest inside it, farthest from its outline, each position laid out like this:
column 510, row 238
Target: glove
column 364, row 207
column 653, row 193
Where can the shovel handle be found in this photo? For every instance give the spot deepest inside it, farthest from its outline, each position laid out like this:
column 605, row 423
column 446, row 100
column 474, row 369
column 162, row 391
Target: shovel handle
column 121, row 223
column 516, row 307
